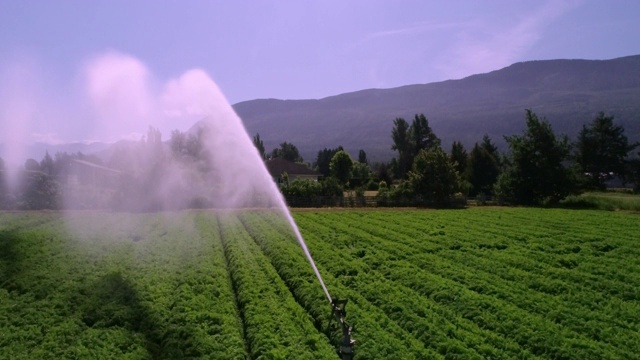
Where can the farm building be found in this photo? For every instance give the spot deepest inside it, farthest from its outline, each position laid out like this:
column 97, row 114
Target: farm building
column 294, row 171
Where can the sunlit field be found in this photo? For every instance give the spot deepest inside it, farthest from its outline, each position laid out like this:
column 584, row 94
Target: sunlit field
column 476, row 283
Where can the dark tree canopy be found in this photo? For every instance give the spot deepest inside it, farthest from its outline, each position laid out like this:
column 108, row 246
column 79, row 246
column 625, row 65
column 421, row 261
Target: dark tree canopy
column 601, row 150
column 408, row 140
column 341, row 165
column 362, row 157
column 360, row 174
column 433, row 177
column 423, row 138
column 400, row 134
column 483, row 167
column 323, row 160
column 288, row 152
column 459, row 157
column 490, row 147
column 535, row 173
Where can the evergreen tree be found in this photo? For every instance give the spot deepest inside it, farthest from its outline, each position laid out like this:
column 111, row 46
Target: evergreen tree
column 601, row 150
column 362, row 157
column 535, row 173
column 459, row 156
column 323, row 160
column 490, row 148
column 423, row 138
column 483, row 167
column 400, row 134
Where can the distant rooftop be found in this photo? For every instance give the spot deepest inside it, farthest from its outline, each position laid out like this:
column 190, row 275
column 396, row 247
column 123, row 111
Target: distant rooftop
column 278, row 166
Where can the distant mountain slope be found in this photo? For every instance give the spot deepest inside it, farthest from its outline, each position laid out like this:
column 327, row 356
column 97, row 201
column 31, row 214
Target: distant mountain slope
column 568, row 93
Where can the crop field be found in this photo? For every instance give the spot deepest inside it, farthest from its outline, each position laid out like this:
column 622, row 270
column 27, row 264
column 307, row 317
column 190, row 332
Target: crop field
column 499, row 283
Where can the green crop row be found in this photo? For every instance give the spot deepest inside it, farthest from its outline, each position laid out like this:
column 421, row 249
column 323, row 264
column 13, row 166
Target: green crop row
column 532, row 292
column 276, row 327
column 479, row 295
column 377, row 335
column 438, row 327
column 456, row 284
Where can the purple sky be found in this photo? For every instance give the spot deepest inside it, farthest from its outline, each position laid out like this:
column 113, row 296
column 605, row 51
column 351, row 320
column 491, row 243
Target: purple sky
column 53, row 53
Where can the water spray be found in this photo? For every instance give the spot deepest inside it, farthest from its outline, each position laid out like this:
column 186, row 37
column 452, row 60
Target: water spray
column 308, row 254
column 338, row 311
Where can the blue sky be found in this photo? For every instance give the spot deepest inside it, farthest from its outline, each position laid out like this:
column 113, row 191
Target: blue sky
column 286, row 49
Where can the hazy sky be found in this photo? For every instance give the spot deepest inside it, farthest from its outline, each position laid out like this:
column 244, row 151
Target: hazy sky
column 281, row 49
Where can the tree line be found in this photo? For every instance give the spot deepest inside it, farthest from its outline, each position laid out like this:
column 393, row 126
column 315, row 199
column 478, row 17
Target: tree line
column 539, row 167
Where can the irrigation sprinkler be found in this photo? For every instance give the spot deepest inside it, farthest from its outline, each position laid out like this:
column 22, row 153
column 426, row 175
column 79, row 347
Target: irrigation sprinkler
column 345, row 349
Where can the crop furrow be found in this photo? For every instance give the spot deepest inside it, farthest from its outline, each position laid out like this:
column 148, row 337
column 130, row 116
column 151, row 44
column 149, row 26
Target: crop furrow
column 456, row 295
column 276, row 326
column 234, row 286
column 518, row 259
column 456, row 340
column 381, row 336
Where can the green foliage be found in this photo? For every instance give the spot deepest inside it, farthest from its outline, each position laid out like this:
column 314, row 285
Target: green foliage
column 288, row 152
column 423, row 138
column 489, row 287
column 331, row 187
column 482, row 170
column 480, row 283
column 459, row 157
column 401, row 136
column 323, row 160
column 341, row 165
column 535, row 173
column 310, row 193
column 362, row 157
column 382, row 172
column 409, row 140
column 39, row 191
column 601, row 150
column 610, row 201
column 434, row 177
column 265, row 301
column 360, row 174
column 300, row 188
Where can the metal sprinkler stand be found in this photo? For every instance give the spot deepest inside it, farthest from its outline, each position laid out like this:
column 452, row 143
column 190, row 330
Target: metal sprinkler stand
column 345, row 350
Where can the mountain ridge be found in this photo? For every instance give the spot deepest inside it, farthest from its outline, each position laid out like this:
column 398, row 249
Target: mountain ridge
column 568, row 92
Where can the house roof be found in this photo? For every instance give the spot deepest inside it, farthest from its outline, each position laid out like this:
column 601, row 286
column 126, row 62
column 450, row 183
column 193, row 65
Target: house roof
column 278, row 166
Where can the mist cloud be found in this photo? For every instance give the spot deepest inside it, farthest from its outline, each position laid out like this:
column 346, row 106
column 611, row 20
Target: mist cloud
column 18, row 108
column 118, row 87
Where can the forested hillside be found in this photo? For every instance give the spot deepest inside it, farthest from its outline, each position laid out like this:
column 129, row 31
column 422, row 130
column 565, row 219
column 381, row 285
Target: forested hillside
column 569, row 93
